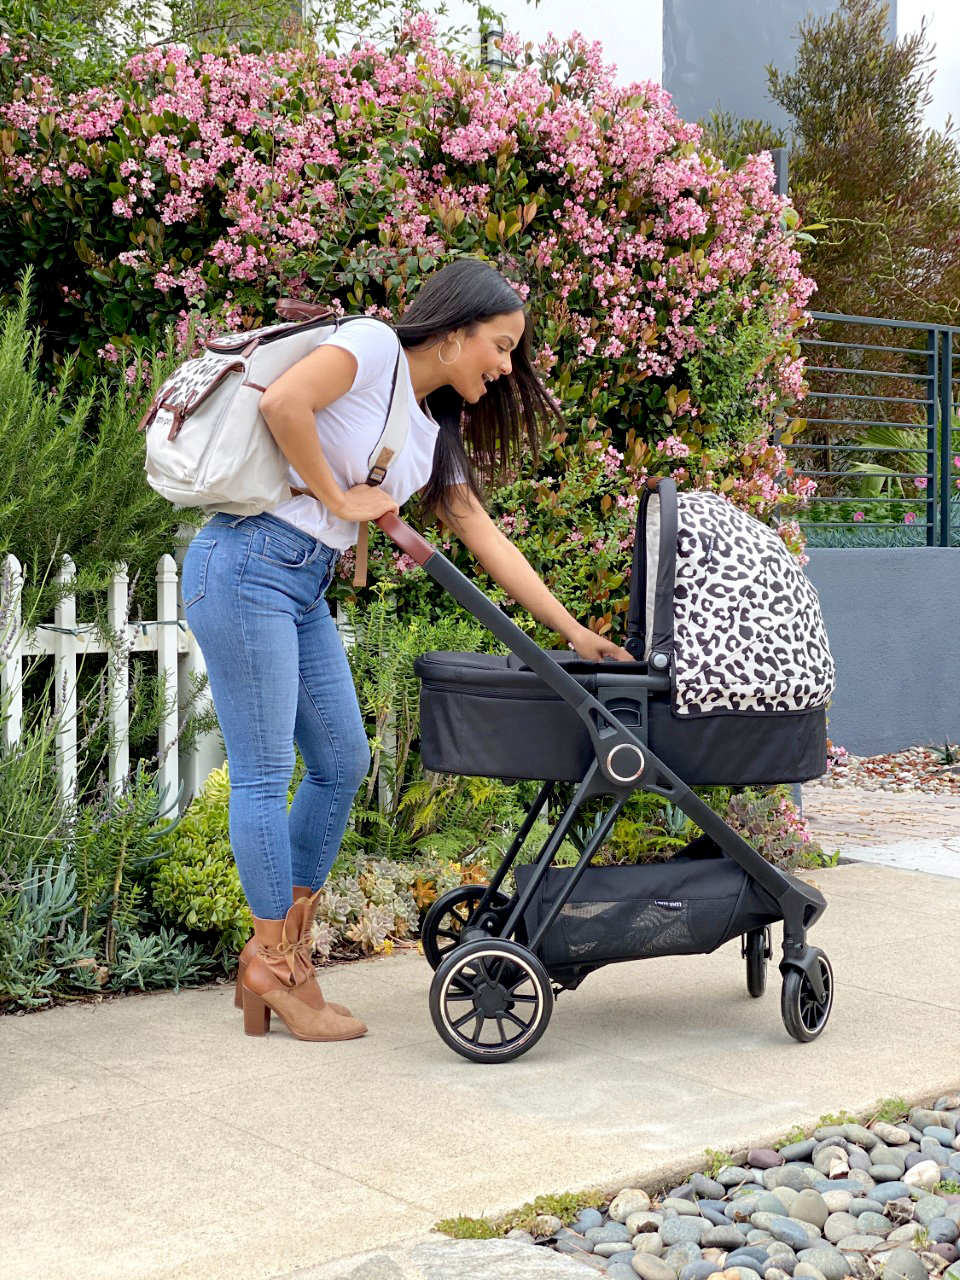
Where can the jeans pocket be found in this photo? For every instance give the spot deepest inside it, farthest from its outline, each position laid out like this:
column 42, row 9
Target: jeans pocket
column 326, row 579
column 193, row 582
column 274, row 549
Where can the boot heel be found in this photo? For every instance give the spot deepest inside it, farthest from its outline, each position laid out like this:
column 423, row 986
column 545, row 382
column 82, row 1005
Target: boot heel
column 256, row 1014
column 238, row 994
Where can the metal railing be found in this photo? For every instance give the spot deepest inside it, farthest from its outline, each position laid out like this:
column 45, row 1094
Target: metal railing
column 882, row 393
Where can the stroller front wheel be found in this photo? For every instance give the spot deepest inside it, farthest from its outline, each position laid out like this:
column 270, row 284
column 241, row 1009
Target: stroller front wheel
column 804, row 1015
column 491, row 1000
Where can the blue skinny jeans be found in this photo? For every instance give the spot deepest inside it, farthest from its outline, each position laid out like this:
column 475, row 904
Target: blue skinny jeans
column 253, row 594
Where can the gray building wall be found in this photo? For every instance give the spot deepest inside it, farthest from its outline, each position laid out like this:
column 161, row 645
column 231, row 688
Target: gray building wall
column 893, row 618
column 716, row 52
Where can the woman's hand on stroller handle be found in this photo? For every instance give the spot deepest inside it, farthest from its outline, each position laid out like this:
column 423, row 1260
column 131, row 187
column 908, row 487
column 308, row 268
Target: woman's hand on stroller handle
column 593, row 648
column 586, row 643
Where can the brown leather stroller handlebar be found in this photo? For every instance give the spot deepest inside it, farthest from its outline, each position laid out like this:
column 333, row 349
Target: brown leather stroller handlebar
column 407, row 539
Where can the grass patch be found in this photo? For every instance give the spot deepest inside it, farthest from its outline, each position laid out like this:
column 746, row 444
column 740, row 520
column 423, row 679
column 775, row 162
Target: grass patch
column 565, row 1207
column 467, row 1228
column 796, row 1134
column 890, row 1110
column 715, row 1161
column 952, row 1188
column 842, row 1117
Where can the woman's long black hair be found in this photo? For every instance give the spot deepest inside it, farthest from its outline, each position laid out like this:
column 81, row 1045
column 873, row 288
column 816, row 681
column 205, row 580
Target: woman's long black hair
column 516, row 409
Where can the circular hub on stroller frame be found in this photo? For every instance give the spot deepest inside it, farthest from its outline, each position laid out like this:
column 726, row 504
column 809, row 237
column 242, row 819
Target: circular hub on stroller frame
column 630, row 765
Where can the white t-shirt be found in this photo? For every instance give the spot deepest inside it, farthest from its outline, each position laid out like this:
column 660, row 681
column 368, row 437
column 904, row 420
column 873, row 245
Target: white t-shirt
column 350, row 428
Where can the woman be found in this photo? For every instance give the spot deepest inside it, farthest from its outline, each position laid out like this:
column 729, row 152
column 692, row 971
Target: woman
column 253, row 590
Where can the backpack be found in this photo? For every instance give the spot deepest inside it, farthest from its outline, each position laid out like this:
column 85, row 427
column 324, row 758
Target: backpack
column 207, row 443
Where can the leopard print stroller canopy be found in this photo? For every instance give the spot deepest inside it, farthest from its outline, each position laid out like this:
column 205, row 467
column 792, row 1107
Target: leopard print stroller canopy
column 720, row 608
column 719, row 600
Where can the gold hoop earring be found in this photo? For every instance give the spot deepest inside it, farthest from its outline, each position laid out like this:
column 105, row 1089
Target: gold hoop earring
column 440, row 352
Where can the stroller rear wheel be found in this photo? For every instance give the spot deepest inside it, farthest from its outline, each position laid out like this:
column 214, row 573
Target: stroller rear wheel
column 452, row 912
column 804, row 1015
column 491, row 1001
column 757, row 949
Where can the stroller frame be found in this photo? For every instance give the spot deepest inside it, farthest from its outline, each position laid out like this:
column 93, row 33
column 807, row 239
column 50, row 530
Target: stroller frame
column 623, row 763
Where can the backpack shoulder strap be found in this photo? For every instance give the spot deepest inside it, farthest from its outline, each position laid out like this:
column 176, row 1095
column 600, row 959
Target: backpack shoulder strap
column 392, row 439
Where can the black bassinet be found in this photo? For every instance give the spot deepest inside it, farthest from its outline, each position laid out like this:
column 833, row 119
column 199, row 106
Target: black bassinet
column 718, row 604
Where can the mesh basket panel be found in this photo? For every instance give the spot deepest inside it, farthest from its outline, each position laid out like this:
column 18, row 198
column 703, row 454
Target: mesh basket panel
column 586, row 932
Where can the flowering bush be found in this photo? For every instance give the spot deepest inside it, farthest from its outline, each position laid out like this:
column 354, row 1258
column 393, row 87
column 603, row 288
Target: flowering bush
column 667, row 290
column 222, row 179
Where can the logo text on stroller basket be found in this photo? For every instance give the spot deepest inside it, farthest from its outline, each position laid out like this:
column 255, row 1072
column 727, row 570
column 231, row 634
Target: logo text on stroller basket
column 671, row 906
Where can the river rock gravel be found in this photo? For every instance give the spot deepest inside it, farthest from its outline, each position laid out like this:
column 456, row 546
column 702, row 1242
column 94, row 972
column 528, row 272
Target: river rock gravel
column 928, row 768
column 848, row 1201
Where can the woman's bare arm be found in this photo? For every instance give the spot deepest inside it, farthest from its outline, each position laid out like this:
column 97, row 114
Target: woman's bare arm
column 506, row 564
column 288, row 406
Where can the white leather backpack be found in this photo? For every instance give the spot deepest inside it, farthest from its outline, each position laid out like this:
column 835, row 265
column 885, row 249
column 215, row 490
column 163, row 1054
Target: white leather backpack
column 208, row 444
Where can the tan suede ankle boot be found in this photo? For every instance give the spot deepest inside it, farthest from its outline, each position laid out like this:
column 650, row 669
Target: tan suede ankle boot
column 280, row 979
column 246, row 955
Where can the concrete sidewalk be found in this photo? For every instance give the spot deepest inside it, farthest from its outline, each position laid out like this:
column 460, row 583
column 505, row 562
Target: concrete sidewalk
column 148, row 1137
column 909, row 830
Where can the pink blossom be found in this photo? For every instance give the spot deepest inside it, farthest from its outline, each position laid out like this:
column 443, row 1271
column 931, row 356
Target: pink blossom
column 578, row 131
column 673, row 447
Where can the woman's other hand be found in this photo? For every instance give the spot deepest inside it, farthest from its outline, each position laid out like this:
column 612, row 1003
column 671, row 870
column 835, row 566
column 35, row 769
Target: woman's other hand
column 593, row 648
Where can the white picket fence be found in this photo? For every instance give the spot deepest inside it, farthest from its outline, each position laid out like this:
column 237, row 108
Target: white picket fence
column 68, row 642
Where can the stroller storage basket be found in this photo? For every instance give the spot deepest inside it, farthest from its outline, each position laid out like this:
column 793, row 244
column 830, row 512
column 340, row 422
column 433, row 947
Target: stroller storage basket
column 485, row 715
column 689, row 905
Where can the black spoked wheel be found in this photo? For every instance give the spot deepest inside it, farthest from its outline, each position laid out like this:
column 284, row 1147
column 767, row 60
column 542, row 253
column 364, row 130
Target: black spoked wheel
column 804, row 1015
column 757, row 949
column 491, row 1001
column 452, row 912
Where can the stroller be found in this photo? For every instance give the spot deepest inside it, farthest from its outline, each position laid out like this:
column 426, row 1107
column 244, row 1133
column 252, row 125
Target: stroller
column 729, row 688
